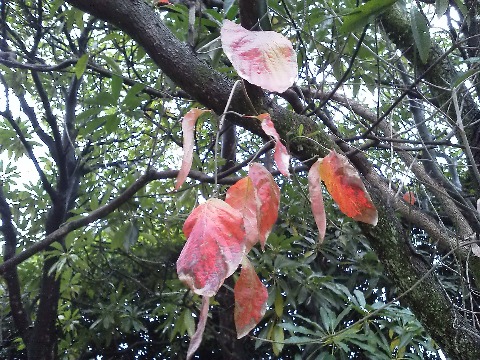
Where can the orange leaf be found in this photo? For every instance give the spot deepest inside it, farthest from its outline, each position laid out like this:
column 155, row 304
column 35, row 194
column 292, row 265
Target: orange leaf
column 214, row 249
column 316, row 199
column 188, row 127
column 196, row 339
column 347, row 189
column 263, row 58
column 268, row 194
column 409, row 197
column 242, row 196
column 250, row 299
column 281, row 156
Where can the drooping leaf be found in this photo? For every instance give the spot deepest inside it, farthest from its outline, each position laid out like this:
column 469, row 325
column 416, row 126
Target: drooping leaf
column 281, row 156
column 188, row 127
column 196, row 339
column 421, row 33
column 409, row 197
column 316, row 200
column 363, row 14
column 263, row 58
column 242, row 196
column 278, row 338
column 344, row 184
column 250, row 299
column 268, row 194
column 214, row 248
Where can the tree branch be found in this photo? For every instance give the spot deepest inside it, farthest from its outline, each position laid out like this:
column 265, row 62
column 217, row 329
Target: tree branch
column 20, row 317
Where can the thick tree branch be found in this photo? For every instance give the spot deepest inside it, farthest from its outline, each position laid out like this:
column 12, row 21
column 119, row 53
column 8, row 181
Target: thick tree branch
column 19, row 315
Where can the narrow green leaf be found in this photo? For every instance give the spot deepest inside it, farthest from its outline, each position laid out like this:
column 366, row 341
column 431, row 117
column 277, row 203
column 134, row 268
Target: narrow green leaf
column 362, row 15
column 464, row 76
column 116, row 86
column 360, row 297
column 441, row 7
column 421, row 34
column 278, row 304
column 278, row 339
column 81, row 65
column 131, row 236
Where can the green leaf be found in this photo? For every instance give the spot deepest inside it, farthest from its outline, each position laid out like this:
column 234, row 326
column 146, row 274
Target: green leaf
column 102, row 99
column 81, row 66
column 131, row 236
column 360, row 297
column 112, row 122
column 131, row 99
column 441, row 7
column 362, row 15
column 116, row 85
column 464, row 76
column 112, row 64
column 421, row 34
column 278, row 339
column 278, row 304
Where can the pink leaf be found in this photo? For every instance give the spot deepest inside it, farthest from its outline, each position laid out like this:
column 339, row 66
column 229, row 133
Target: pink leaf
column 214, row 249
column 250, row 299
column 196, row 339
column 316, row 199
column 263, row 58
column 188, row 127
column 344, row 184
column 242, row 196
column 268, row 194
column 281, row 156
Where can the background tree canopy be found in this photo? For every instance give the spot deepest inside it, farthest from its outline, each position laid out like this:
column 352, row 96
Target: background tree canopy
column 92, row 93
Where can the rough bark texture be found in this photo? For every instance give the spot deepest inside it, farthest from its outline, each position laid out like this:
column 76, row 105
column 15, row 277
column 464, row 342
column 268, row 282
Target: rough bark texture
column 427, row 300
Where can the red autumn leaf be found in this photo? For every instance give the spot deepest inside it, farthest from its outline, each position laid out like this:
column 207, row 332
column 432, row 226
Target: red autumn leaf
column 268, row 194
column 242, row 196
column 316, row 200
column 196, row 339
column 250, row 299
column 344, row 184
column 263, row 58
column 281, row 156
column 188, row 127
column 409, row 197
column 162, row 2
column 214, row 248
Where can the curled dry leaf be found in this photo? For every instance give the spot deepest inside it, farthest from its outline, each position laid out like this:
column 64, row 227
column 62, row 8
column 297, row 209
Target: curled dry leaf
column 250, row 299
column 268, row 194
column 242, row 196
column 346, row 188
column 316, row 200
column 214, row 248
column 281, row 155
column 263, row 58
column 188, row 127
column 196, row 339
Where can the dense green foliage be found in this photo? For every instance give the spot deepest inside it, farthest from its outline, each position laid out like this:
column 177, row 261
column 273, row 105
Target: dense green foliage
column 84, row 102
